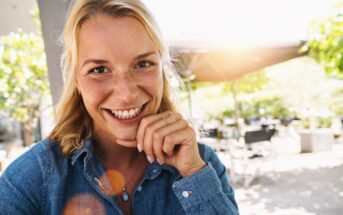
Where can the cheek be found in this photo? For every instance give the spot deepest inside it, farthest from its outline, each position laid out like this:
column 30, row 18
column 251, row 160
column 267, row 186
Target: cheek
column 155, row 85
column 91, row 92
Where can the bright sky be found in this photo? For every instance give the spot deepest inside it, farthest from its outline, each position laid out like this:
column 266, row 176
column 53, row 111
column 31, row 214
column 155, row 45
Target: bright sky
column 238, row 22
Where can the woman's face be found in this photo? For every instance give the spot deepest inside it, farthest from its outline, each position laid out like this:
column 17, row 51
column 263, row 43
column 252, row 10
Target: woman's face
column 119, row 76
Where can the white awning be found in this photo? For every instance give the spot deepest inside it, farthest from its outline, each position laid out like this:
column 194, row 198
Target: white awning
column 237, row 23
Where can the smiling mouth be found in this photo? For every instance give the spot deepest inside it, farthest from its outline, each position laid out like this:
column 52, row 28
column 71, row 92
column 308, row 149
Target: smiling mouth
column 127, row 113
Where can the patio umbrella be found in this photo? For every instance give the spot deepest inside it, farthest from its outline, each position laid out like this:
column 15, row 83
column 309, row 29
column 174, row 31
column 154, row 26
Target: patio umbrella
column 224, row 64
column 210, row 63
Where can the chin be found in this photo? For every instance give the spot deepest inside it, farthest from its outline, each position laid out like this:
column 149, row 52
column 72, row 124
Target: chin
column 127, row 139
column 127, row 143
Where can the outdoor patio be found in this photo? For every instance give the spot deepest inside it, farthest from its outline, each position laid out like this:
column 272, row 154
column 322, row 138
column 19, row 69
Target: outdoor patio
column 303, row 183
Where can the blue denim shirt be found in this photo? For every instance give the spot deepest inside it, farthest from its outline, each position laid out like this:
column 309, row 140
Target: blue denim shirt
column 43, row 181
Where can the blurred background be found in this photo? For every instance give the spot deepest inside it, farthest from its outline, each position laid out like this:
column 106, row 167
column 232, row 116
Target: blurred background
column 262, row 83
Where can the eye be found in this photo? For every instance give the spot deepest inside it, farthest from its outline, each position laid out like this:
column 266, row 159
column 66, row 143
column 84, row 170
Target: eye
column 144, row 64
column 99, row 70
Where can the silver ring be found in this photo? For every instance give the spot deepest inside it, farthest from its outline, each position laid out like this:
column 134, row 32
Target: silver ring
column 165, row 117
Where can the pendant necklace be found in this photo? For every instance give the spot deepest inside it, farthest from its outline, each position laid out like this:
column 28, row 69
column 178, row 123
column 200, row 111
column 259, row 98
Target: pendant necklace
column 124, row 195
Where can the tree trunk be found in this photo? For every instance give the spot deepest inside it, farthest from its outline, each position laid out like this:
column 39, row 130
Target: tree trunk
column 29, row 126
column 52, row 16
column 236, row 113
column 28, row 136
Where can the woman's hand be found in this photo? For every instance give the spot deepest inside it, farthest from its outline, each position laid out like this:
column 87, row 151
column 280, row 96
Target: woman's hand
column 169, row 138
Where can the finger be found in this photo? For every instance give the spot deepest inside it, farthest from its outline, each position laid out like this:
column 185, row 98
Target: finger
column 158, row 138
column 159, row 134
column 147, row 144
column 146, row 122
column 149, row 133
column 157, row 141
column 180, row 137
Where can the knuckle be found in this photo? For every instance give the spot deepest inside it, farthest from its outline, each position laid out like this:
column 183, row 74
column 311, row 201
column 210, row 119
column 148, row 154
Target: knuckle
column 178, row 116
column 165, row 148
column 184, row 123
column 155, row 135
column 149, row 130
column 191, row 131
column 168, row 139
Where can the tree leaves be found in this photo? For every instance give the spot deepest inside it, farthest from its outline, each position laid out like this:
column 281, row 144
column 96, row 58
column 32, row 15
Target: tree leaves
column 23, row 74
column 326, row 42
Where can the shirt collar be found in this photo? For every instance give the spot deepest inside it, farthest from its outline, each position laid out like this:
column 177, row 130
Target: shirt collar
column 86, row 149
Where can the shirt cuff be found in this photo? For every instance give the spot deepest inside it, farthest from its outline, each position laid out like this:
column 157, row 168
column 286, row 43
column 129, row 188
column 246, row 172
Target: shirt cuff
column 197, row 188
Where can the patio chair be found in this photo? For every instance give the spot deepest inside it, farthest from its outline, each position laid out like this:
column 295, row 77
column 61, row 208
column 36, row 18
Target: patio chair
column 250, row 154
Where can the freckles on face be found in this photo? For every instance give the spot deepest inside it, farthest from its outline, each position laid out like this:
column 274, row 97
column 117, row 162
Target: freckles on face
column 119, row 74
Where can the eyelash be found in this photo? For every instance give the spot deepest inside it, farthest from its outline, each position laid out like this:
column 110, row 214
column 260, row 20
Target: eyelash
column 150, row 64
column 96, row 68
column 145, row 66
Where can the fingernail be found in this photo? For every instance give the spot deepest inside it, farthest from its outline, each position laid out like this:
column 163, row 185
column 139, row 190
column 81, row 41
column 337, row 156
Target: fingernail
column 139, row 146
column 150, row 159
column 159, row 161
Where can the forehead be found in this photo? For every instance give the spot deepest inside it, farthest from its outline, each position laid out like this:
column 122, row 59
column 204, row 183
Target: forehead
column 104, row 33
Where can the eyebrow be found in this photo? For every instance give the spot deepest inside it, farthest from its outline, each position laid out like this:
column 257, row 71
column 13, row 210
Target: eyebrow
column 147, row 54
column 101, row 61
column 95, row 61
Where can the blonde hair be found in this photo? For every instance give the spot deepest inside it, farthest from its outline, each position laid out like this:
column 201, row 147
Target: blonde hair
column 73, row 123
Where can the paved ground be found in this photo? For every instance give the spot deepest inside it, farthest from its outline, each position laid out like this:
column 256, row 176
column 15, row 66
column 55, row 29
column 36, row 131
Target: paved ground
column 303, row 184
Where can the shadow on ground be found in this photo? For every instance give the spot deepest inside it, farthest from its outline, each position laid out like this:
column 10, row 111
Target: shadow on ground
column 300, row 191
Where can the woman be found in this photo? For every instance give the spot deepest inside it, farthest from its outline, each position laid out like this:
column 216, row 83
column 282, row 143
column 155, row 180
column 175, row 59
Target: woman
column 119, row 146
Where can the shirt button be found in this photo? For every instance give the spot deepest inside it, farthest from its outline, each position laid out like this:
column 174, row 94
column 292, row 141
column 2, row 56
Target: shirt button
column 186, row 194
column 139, row 188
column 98, row 181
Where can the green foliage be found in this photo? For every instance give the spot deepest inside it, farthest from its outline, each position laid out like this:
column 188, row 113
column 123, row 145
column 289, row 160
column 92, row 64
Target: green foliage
column 317, row 122
column 265, row 106
column 35, row 16
column 325, row 122
column 23, row 74
column 250, row 90
column 226, row 113
column 326, row 42
column 23, row 77
column 248, row 83
column 336, row 104
column 252, row 82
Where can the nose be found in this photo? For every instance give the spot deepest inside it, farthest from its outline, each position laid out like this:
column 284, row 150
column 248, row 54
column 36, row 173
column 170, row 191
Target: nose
column 125, row 87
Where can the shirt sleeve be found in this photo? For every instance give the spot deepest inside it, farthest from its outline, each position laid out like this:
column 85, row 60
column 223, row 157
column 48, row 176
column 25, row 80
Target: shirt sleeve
column 207, row 191
column 20, row 186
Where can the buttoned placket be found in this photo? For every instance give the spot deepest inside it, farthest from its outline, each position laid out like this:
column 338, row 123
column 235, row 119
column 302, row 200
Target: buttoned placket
column 151, row 173
column 92, row 172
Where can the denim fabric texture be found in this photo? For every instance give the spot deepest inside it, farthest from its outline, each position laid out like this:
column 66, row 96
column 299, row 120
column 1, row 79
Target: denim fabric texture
column 42, row 181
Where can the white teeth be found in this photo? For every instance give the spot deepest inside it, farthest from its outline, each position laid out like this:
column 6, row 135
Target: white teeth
column 127, row 114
